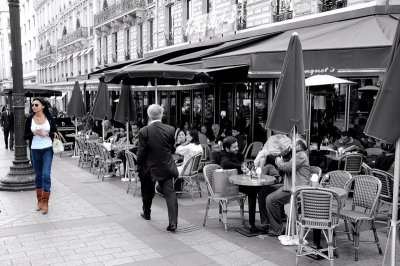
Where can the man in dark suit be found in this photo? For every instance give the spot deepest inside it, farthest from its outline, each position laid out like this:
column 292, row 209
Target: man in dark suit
column 7, row 125
column 155, row 163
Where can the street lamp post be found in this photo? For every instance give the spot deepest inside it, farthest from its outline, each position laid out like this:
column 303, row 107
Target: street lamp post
column 21, row 175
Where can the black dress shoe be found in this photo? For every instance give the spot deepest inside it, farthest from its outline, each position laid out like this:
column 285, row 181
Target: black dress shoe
column 254, row 229
column 145, row 216
column 171, row 228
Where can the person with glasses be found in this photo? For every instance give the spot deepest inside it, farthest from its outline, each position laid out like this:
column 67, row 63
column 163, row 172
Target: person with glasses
column 40, row 128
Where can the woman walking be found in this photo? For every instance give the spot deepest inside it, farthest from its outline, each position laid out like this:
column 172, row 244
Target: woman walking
column 40, row 128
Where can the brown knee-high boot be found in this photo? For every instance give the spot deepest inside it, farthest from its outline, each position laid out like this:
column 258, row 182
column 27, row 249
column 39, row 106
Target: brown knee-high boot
column 45, row 202
column 39, row 192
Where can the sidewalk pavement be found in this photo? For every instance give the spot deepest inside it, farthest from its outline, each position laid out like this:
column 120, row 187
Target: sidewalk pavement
column 97, row 223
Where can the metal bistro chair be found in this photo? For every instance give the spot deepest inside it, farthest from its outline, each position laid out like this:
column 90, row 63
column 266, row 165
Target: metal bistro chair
column 83, row 152
column 386, row 196
column 69, row 145
column 222, row 201
column 206, row 156
column 94, row 155
column 190, row 183
column 337, row 178
column 252, row 150
column 317, row 213
column 367, row 190
column 351, row 163
column 131, row 171
column 107, row 161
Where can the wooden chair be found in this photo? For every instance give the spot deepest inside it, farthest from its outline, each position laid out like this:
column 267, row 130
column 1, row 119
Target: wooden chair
column 386, row 196
column 222, row 201
column 190, row 183
column 252, row 150
column 317, row 205
column 364, row 204
column 351, row 163
column 131, row 171
column 69, row 145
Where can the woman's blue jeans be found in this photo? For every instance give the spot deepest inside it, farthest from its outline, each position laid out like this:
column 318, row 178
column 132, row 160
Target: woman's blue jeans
column 42, row 160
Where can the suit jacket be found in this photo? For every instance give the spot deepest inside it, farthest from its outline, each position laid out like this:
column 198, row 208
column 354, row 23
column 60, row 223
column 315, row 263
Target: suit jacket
column 7, row 121
column 156, row 144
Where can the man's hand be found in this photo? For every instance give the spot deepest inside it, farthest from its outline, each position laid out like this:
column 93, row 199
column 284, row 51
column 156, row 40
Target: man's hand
column 278, row 160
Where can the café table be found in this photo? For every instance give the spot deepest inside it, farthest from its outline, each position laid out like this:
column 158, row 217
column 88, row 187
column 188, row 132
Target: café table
column 317, row 232
column 251, row 187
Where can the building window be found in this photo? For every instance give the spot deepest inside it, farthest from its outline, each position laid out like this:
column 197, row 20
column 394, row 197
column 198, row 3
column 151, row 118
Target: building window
column 151, row 37
column 127, row 44
column 115, row 46
column 188, row 9
column 140, row 41
column 169, row 37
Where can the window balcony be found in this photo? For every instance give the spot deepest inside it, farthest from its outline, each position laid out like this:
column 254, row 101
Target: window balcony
column 328, row 5
column 79, row 35
column 282, row 16
column 118, row 9
column 46, row 55
column 169, row 38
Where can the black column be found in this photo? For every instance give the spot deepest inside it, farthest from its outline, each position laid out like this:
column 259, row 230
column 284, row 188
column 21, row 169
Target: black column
column 21, row 175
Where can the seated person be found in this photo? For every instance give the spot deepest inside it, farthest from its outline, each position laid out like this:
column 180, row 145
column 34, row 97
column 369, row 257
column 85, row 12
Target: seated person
column 230, row 158
column 348, row 143
column 203, row 135
column 278, row 195
column 240, row 138
column 189, row 148
column 216, row 136
column 108, row 129
column 134, row 134
column 385, row 161
column 275, row 145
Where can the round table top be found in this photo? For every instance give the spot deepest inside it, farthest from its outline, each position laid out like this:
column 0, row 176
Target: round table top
column 71, row 135
column 245, row 180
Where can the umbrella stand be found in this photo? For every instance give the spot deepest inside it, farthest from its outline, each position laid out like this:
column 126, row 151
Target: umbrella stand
column 75, row 154
column 290, row 239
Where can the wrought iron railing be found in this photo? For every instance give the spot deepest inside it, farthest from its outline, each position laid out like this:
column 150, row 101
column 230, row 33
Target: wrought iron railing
column 327, row 5
column 116, row 9
column 48, row 50
column 169, row 38
column 283, row 16
column 77, row 34
column 139, row 52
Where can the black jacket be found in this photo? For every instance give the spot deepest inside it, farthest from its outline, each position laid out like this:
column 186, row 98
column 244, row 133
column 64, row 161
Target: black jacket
column 156, row 144
column 229, row 160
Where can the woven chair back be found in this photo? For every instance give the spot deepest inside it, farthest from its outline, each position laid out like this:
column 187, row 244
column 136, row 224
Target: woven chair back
column 339, row 178
column 352, row 163
column 367, row 189
column 387, row 184
column 316, row 207
column 254, row 148
column 192, row 165
column 131, row 160
column 208, row 177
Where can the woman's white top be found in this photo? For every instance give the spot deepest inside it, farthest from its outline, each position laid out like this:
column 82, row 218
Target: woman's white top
column 41, row 142
column 187, row 151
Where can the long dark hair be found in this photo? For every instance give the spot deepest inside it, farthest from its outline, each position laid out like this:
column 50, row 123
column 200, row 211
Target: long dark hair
column 195, row 136
column 46, row 105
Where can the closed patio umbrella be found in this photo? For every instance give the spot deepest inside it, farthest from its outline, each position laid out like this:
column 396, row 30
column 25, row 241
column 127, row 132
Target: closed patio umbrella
column 126, row 108
column 289, row 109
column 76, row 106
column 384, row 124
column 101, row 107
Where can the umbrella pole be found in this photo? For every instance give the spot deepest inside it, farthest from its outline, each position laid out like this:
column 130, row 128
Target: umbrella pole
column 155, row 84
column 103, row 131
column 394, row 222
column 127, row 136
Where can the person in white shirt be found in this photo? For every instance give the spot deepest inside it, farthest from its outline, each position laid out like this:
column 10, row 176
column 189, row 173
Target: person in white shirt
column 189, row 148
